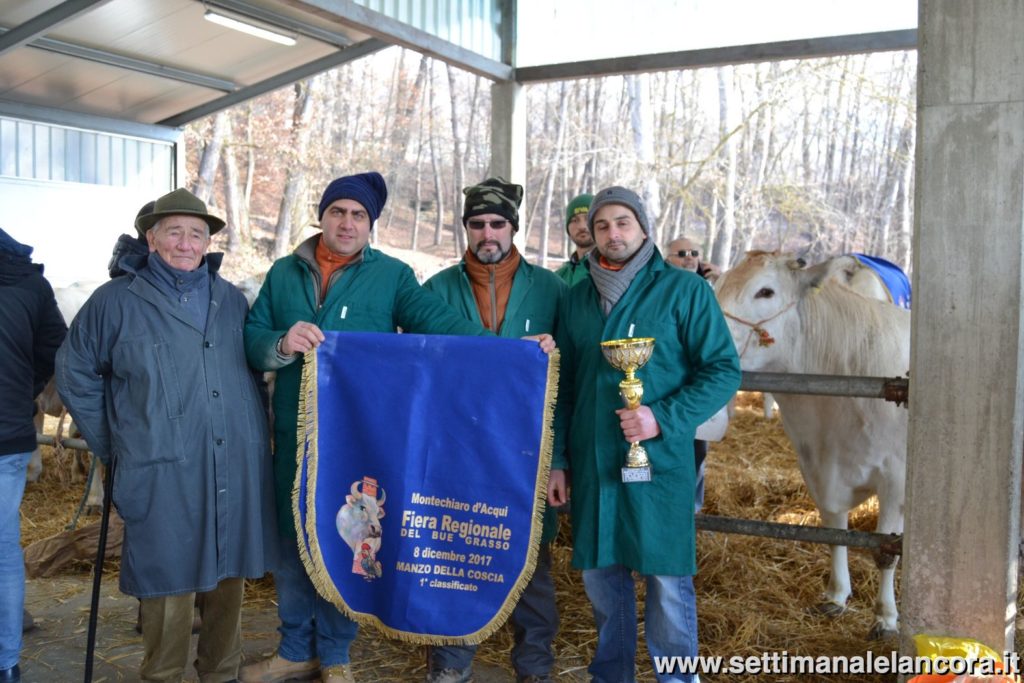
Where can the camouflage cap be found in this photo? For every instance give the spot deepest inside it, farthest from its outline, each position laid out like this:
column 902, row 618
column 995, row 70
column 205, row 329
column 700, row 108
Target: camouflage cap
column 493, row 195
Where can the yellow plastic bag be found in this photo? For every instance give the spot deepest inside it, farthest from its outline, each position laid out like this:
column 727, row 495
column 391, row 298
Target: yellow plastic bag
column 945, row 647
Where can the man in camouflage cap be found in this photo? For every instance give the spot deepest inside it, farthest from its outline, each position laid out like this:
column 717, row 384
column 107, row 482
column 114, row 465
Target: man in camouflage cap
column 493, row 285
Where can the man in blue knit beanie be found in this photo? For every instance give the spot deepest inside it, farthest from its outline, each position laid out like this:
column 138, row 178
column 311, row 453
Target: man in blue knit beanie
column 333, row 281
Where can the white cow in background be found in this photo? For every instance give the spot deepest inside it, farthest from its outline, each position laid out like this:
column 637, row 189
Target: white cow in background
column 787, row 318
column 858, row 277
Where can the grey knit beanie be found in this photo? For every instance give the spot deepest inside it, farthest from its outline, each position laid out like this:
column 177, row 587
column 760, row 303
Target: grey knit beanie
column 619, row 195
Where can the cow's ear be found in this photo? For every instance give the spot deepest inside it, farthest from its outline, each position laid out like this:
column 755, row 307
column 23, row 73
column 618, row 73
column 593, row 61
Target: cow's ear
column 843, row 268
column 797, row 263
column 840, row 268
column 814, row 277
column 380, row 512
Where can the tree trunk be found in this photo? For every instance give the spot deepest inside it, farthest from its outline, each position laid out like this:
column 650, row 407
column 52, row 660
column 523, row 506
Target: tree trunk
column 723, row 251
column 403, row 136
column 418, row 192
column 556, row 160
column 435, row 164
column 458, row 168
column 250, row 172
column 233, row 192
column 642, row 122
column 210, row 160
column 288, row 224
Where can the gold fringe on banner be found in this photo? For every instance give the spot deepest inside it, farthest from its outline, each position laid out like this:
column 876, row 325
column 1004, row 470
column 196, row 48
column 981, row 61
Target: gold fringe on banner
column 312, row 557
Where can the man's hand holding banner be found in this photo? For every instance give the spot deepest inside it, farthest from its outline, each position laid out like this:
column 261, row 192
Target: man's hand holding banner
column 423, row 467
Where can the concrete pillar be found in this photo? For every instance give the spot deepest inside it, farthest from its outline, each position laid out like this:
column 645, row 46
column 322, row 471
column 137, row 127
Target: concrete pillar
column 508, row 131
column 508, row 139
column 964, row 450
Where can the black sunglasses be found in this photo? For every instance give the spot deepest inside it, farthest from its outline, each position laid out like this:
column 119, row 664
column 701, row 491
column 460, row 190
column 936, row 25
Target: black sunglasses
column 683, row 253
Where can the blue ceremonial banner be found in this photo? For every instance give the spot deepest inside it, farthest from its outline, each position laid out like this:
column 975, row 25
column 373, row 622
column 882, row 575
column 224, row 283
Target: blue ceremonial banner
column 423, row 468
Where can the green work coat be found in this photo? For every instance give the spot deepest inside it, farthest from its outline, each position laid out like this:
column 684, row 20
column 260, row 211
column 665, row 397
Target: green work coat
column 376, row 294
column 573, row 271
column 532, row 309
column 693, row 371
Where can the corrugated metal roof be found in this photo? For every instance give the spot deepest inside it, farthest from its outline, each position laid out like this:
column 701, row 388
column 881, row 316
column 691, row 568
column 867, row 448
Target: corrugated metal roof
column 121, row 39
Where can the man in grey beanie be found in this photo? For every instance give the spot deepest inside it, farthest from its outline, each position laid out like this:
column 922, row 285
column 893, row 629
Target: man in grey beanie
column 644, row 527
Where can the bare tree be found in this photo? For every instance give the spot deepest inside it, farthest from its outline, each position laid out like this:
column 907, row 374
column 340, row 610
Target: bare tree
column 210, row 160
column 288, row 224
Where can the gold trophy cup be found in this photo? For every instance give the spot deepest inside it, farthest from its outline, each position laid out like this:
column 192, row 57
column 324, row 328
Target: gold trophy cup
column 629, row 355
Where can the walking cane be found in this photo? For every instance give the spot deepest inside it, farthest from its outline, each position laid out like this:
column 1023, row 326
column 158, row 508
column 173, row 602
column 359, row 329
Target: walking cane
column 97, row 576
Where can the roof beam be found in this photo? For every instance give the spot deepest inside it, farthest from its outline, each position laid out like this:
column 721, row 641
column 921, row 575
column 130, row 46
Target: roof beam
column 132, row 64
column 372, row 23
column 332, row 60
column 73, row 119
column 45, row 22
column 246, row 9
column 737, row 54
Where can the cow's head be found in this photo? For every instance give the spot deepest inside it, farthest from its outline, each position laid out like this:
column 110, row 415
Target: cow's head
column 760, row 299
column 360, row 516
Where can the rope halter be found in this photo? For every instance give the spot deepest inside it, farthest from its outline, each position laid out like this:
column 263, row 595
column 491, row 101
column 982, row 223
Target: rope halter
column 764, row 337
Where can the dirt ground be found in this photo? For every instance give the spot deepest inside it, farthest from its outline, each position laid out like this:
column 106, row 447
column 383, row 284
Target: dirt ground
column 54, row 652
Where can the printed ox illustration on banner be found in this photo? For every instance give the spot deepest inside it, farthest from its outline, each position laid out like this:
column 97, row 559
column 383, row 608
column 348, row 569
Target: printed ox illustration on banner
column 423, row 467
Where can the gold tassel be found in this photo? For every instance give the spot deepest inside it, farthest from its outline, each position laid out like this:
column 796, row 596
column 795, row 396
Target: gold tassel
column 313, row 560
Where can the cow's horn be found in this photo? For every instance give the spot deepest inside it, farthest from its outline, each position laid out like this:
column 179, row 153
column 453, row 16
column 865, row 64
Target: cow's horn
column 383, row 495
column 355, row 488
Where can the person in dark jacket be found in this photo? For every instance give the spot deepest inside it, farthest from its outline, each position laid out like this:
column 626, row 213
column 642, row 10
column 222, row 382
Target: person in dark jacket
column 31, row 329
column 154, row 373
column 495, row 286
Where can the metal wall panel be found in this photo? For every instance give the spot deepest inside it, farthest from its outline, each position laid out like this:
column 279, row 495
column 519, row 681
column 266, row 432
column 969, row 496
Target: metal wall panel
column 471, row 24
column 41, row 151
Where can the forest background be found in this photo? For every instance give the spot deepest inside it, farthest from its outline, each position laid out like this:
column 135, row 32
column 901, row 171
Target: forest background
column 811, row 156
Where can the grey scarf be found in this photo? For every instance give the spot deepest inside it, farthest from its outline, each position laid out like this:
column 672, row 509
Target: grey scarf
column 612, row 284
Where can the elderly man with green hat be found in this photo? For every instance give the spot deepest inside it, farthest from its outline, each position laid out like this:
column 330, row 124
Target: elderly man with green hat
column 494, row 286
column 573, row 270
column 153, row 371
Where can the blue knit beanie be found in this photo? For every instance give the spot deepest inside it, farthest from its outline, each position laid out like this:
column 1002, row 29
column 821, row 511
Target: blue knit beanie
column 368, row 189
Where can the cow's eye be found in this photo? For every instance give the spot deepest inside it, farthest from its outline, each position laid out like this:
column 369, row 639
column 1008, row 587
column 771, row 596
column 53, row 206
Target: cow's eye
column 765, row 293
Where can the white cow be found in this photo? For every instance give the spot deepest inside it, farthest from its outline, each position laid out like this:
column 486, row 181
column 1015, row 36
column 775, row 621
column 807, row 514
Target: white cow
column 785, row 318
column 70, row 300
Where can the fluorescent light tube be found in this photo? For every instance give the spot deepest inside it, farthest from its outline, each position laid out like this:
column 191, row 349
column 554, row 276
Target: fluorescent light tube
column 251, row 29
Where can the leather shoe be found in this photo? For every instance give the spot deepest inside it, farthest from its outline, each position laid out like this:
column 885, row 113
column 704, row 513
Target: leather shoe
column 12, row 675
column 277, row 669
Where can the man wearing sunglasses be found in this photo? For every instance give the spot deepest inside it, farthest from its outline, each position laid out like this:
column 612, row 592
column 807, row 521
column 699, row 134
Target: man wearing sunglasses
column 495, row 287
column 682, row 253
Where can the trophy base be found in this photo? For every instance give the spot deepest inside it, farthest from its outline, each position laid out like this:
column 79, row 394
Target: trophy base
column 632, row 475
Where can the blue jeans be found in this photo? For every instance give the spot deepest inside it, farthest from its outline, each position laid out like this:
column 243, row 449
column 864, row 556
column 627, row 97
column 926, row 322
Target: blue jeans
column 12, row 562
column 534, row 623
column 310, row 626
column 671, row 622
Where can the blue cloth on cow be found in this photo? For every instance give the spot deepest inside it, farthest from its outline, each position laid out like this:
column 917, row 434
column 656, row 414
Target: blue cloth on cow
column 892, row 276
column 464, row 504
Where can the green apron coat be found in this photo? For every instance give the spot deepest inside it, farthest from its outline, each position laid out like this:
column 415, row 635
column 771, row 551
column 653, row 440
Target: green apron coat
column 693, row 371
